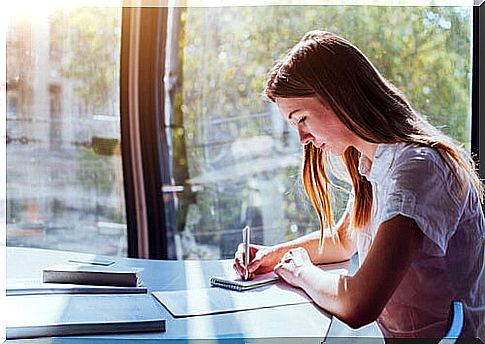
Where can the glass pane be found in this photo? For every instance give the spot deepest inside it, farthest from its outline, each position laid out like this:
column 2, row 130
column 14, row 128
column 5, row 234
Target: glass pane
column 64, row 173
column 239, row 161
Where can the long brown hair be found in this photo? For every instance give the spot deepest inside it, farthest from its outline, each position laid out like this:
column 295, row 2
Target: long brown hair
column 328, row 67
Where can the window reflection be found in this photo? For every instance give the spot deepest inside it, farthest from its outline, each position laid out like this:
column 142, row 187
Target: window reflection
column 241, row 163
column 64, row 173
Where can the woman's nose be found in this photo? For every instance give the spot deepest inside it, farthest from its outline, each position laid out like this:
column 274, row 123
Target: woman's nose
column 305, row 137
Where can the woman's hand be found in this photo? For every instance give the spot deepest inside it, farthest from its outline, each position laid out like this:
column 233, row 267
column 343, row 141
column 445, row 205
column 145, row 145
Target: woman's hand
column 262, row 259
column 292, row 264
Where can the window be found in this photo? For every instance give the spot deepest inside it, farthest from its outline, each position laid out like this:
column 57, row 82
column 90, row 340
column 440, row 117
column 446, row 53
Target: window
column 64, row 173
column 237, row 160
column 12, row 106
column 232, row 160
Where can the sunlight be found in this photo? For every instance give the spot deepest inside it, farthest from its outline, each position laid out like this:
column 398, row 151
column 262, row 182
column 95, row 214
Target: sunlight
column 195, row 276
column 43, row 8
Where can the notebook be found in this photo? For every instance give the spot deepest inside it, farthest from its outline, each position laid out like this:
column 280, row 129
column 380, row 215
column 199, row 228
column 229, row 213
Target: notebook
column 238, row 284
column 93, row 275
column 235, row 282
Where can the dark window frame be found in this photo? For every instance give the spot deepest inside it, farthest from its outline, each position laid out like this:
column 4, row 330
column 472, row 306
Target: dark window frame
column 478, row 83
column 150, row 215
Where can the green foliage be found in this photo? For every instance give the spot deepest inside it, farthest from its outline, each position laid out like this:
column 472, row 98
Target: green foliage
column 424, row 51
column 90, row 51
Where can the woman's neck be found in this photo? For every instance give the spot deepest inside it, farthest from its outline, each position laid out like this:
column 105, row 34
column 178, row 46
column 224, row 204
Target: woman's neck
column 367, row 148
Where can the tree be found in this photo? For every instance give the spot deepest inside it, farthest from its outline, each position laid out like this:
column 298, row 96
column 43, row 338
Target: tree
column 424, row 51
column 91, row 53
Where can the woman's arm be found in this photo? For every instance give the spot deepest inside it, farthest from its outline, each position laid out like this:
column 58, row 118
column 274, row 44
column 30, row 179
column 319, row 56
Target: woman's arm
column 338, row 246
column 359, row 300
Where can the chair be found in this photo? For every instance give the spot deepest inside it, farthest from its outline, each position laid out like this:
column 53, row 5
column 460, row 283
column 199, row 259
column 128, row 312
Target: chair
column 455, row 323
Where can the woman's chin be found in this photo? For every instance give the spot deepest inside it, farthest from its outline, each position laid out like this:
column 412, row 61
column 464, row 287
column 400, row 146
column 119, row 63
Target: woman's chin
column 330, row 149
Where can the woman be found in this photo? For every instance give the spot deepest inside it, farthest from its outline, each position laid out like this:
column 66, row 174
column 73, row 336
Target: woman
column 415, row 217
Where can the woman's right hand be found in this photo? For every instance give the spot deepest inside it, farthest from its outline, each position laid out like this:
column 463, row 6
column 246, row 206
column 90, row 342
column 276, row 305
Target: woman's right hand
column 262, row 259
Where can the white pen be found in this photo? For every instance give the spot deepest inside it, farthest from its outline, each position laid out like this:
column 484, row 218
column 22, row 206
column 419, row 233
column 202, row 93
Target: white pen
column 246, row 239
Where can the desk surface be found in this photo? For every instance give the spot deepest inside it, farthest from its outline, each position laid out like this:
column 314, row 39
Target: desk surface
column 302, row 321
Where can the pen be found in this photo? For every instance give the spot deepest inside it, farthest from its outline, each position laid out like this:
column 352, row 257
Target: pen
column 246, row 239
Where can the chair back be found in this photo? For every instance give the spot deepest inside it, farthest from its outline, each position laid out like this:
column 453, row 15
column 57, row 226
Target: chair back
column 455, row 327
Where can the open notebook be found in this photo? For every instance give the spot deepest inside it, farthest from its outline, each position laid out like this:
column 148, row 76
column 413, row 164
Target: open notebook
column 238, row 284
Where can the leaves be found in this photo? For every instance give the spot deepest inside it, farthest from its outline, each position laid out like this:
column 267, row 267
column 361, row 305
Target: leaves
column 424, row 51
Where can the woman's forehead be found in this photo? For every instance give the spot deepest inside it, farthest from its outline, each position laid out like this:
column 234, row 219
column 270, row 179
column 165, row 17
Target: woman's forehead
column 291, row 103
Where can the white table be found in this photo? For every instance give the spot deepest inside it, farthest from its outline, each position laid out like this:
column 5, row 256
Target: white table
column 307, row 322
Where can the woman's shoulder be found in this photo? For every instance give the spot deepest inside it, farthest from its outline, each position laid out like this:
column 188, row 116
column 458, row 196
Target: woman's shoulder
column 425, row 167
column 407, row 152
column 422, row 159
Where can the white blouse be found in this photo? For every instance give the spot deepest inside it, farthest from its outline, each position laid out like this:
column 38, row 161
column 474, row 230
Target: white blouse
column 416, row 182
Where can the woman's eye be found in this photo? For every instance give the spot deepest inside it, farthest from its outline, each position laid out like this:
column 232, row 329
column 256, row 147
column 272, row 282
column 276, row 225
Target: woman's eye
column 301, row 120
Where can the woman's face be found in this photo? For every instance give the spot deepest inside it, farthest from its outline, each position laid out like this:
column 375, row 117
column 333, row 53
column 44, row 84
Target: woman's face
column 316, row 124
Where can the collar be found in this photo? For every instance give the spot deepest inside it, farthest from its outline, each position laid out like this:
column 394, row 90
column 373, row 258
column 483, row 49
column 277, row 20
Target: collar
column 383, row 159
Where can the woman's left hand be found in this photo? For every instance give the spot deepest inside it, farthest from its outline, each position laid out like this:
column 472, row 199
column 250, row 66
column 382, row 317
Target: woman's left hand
column 292, row 264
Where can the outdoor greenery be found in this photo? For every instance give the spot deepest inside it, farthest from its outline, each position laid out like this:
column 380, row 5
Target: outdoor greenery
column 424, row 51
column 88, row 39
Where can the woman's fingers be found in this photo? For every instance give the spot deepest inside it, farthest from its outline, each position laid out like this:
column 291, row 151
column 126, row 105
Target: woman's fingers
column 239, row 257
column 258, row 260
column 238, row 263
column 239, row 271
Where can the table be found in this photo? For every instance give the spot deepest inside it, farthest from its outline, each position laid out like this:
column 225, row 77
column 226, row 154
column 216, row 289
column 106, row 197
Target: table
column 307, row 322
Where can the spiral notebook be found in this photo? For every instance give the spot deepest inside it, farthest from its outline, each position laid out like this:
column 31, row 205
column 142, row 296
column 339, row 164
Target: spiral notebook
column 234, row 282
column 239, row 284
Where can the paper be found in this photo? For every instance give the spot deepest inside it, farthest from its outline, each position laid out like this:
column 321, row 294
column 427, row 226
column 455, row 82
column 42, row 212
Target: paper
column 93, row 261
column 183, row 303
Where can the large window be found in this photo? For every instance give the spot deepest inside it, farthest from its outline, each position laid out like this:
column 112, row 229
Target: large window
column 233, row 160
column 238, row 161
column 64, row 174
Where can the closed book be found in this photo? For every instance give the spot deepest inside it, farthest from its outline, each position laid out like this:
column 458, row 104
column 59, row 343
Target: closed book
column 92, row 275
column 18, row 286
column 32, row 316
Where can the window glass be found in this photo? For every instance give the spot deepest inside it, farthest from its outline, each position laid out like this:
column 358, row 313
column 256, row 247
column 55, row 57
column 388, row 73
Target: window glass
column 64, row 173
column 236, row 157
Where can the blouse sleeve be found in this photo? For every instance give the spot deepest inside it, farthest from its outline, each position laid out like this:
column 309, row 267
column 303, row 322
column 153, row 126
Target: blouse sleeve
column 423, row 188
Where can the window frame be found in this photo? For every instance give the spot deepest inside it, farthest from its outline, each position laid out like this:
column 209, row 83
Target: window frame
column 478, row 83
column 145, row 145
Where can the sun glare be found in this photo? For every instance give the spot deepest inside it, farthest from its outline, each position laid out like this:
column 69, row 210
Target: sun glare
column 32, row 8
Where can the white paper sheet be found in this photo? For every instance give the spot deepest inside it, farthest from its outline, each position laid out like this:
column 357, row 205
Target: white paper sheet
column 183, row 303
